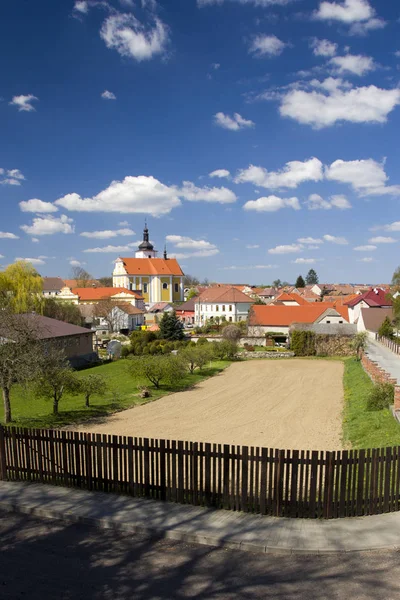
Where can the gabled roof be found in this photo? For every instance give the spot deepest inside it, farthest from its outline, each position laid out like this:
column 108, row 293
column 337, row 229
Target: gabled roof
column 47, row 328
column 268, row 292
column 374, row 298
column 374, row 318
column 52, row 284
column 285, row 297
column 284, row 316
column 229, row 295
column 73, row 283
column 129, row 309
column 102, row 293
column 187, row 306
column 159, row 307
column 152, row 266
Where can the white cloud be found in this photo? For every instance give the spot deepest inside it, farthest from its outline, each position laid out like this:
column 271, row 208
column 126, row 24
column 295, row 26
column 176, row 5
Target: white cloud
column 76, row 263
column 33, row 261
column 123, row 224
column 110, row 249
column 126, row 34
column 306, row 261
column 81, row 6
column 272, row 204
column 366, row 248
column 353, row 63
column 24, row 103
column 341, row 202
column 103, row 235
column 37, row 206
column 323, row 47
column 108, row 95
column 266, row 45
column 348, row 11
column 219, row 173
column 248, row 268
column 382, row 240
column 132, row 195
column 11, row 177
column 293, row 174
column 341, row 241
column 364, row 27
column 338, row 101
column 197, row 248
column 193, row 193
column 316, row 202
column 263, row 3
column 310, row 240
column 235, row 123
column 215, row 66
column 366, row 259
column 252, row 246
column 286, row 249
column 35, row 240
column 5, row 235
column 367, row 177
column 49, row 225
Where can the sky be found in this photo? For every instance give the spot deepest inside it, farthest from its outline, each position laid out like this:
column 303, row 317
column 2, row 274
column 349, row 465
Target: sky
column 258, row 137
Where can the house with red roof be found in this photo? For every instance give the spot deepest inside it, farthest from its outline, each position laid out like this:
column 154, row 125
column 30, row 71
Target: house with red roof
column 185, row 311
column 220, row 304
column 374, row 298
column 91, row 295
column 286, row 299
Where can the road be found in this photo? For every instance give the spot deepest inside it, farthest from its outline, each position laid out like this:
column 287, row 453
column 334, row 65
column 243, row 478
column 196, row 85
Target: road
column 47, row 559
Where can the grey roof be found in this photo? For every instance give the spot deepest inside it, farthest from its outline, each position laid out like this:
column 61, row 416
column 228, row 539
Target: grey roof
column 52, row 328
column 52, row 284
column 374, row 317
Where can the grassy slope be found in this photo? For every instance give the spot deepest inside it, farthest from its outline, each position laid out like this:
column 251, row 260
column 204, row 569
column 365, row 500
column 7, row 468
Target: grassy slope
column 28, row 411
column 363, row 428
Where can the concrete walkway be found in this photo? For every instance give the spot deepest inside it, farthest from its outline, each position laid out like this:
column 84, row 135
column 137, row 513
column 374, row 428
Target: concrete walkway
column 388, row 360
column 203, row 526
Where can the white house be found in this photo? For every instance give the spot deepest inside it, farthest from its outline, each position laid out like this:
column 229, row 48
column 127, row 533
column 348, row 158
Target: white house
column 126, row 317
column 219, row 303
column 373, row 298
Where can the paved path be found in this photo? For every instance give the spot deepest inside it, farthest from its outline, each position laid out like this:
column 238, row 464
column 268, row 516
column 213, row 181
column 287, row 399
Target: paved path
column 44, row 559
column 386, row 359
column 204, row 526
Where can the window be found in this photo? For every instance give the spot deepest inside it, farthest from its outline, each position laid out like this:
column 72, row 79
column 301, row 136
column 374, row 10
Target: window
column 145, row 286
column 230, row 308
column 230, row 319
column 217, row 308
column 328, row 321
column 165, row 286
column 223, row 307
column 340, row 321
column 177, row 287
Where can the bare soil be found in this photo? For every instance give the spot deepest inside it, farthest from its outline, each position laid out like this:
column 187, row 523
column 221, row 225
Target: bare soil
column 293, row 404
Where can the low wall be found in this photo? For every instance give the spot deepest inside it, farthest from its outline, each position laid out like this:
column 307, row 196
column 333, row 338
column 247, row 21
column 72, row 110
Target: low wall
column 266, row 354
column 379, row 375
column 251, row 341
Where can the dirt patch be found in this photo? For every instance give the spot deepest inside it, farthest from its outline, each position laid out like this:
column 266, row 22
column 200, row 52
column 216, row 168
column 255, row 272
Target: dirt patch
column 279, row 404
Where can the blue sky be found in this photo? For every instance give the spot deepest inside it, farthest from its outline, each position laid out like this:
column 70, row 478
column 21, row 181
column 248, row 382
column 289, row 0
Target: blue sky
column 259, row 137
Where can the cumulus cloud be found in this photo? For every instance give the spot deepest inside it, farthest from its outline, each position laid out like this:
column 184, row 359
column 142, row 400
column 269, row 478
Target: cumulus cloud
column 348, row 11
column 11, row 177
column 108, row 95
column 37, row 206
column 357, row 64
column 306, row 261
column 266, row 45
column 130, row 38
column 193, row 193
column 366, row 248
column 220, row 173
column 5, row 235
column 310, row 240
column 110, row 249
column 272, row 204
column 366, row 259
column 333, row 101
column 248, row 268
column 81, row 6
column 196, row 248
column 293, row 174
column 316, row 202
column 235, row 123
column 323, row 47
column 24, row 103
column 49, row 225
column 382, row 240
column 367, row 177
column 33, row 261
column 286, row 249
column 106, row 234
column 252, row 246
column 341, row 241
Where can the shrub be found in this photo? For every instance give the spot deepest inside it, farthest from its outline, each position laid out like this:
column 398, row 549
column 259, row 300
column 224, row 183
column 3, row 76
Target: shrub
column 202, row 341
column 381, row 396
column 250, row 348
column 386, row 329
column 194, row 358
column 303, row 343
column 225, row 350
column 157, row 369
column 232, row 333
column 125, row 351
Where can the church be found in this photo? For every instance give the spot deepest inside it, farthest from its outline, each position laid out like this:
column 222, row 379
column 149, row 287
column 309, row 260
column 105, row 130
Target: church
column 159, row 279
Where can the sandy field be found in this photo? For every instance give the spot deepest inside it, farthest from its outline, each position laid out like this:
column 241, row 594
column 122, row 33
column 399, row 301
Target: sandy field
column 280, row 404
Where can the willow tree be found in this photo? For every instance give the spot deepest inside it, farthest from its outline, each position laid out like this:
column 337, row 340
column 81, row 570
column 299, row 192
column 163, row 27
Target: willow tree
column 21, row 287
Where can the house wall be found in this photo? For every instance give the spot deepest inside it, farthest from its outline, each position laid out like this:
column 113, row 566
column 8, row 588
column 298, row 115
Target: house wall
column 261, row 330
column 205, row 311
column 74, row 345
column 354, row 312
column 333, row 319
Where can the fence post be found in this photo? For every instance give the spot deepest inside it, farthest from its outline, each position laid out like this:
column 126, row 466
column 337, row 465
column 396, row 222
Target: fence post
column 3, row 463
column 146, row 457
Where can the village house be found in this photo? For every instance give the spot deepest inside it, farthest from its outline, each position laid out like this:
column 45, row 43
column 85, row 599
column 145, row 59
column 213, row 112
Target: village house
column 219, row 304
column 286, row 299
column 185, row 311
column 371, row 320
column 158, row 279
column 374, row 298
column 52, row 286
column 125, row 317
column 91, row 295
column 155, row 312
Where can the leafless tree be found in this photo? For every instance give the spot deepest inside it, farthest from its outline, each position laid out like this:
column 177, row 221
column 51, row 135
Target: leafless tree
column 82, row 277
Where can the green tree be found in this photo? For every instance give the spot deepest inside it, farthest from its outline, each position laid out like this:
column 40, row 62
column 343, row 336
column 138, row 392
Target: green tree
column 171, row 328
column 300, row 283
column 195, row 357
column 359, row 343
column 225, row 350
column 396, row 277
column 192, row 294
column 56, row 377
column 157, row 369
column 277, row 283
column 63, row 311
column 92, row 384
column 20, row 354
column 311, row 277
column 21, row 287
column 386, row 329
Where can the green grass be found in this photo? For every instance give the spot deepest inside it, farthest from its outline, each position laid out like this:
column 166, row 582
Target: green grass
column 363, row 428
column 123, row 393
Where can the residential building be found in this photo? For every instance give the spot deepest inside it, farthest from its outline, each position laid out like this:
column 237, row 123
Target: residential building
column 52, row 286
column 286, row 299
column 158, row 279
column 278, row 319
column 371, row 319
column 92, row 295
column 126, row 317
column 218, row 304
column 185, row 311
column 155, row 312
column 374, row 298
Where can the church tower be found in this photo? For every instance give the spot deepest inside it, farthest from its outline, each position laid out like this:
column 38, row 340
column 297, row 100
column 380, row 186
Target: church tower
column 146, row 248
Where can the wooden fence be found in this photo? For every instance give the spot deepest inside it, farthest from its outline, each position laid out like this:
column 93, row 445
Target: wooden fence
column 287, row 483
column 392, row 345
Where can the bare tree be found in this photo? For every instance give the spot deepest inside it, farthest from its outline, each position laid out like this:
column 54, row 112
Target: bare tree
column 82, row 277
column 105, row 310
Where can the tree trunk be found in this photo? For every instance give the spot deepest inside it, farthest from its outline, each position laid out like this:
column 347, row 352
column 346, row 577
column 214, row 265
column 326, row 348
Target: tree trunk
column 7, row 405
column 87, row 400
column 55, row 404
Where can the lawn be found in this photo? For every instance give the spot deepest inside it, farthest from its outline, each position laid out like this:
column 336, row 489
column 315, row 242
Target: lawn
column 122, row 393
column 363, row 428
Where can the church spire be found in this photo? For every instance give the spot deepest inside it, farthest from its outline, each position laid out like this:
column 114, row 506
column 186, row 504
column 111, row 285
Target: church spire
column 146, row 245
column 165, row 252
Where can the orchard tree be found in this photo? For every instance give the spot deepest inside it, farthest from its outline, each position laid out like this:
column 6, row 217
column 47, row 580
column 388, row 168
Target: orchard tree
column 171, row 327
column 92, row 384
column 300, row 283
column 21, row 287
column 56, row 376
column 195, row 357
column 156, row 369
column 311, row 277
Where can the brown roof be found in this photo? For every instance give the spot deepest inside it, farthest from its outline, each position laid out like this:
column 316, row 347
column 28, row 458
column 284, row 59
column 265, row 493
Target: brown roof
column 73, row 283
column 129, row 309
column 286, row 315
column 187, row 306
column 218, row 294
column 152, row 266
column 47, row 328
column 374, row 317
column 52, row 284
column 159, row 307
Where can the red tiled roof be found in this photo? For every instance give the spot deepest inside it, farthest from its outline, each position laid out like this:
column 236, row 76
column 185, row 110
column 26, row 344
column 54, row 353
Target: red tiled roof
column 73, row 283
column 102, row 293
column 285, row 297
column 152, row 266
column 286, row 315
column 218, row 294
column 373, row 297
